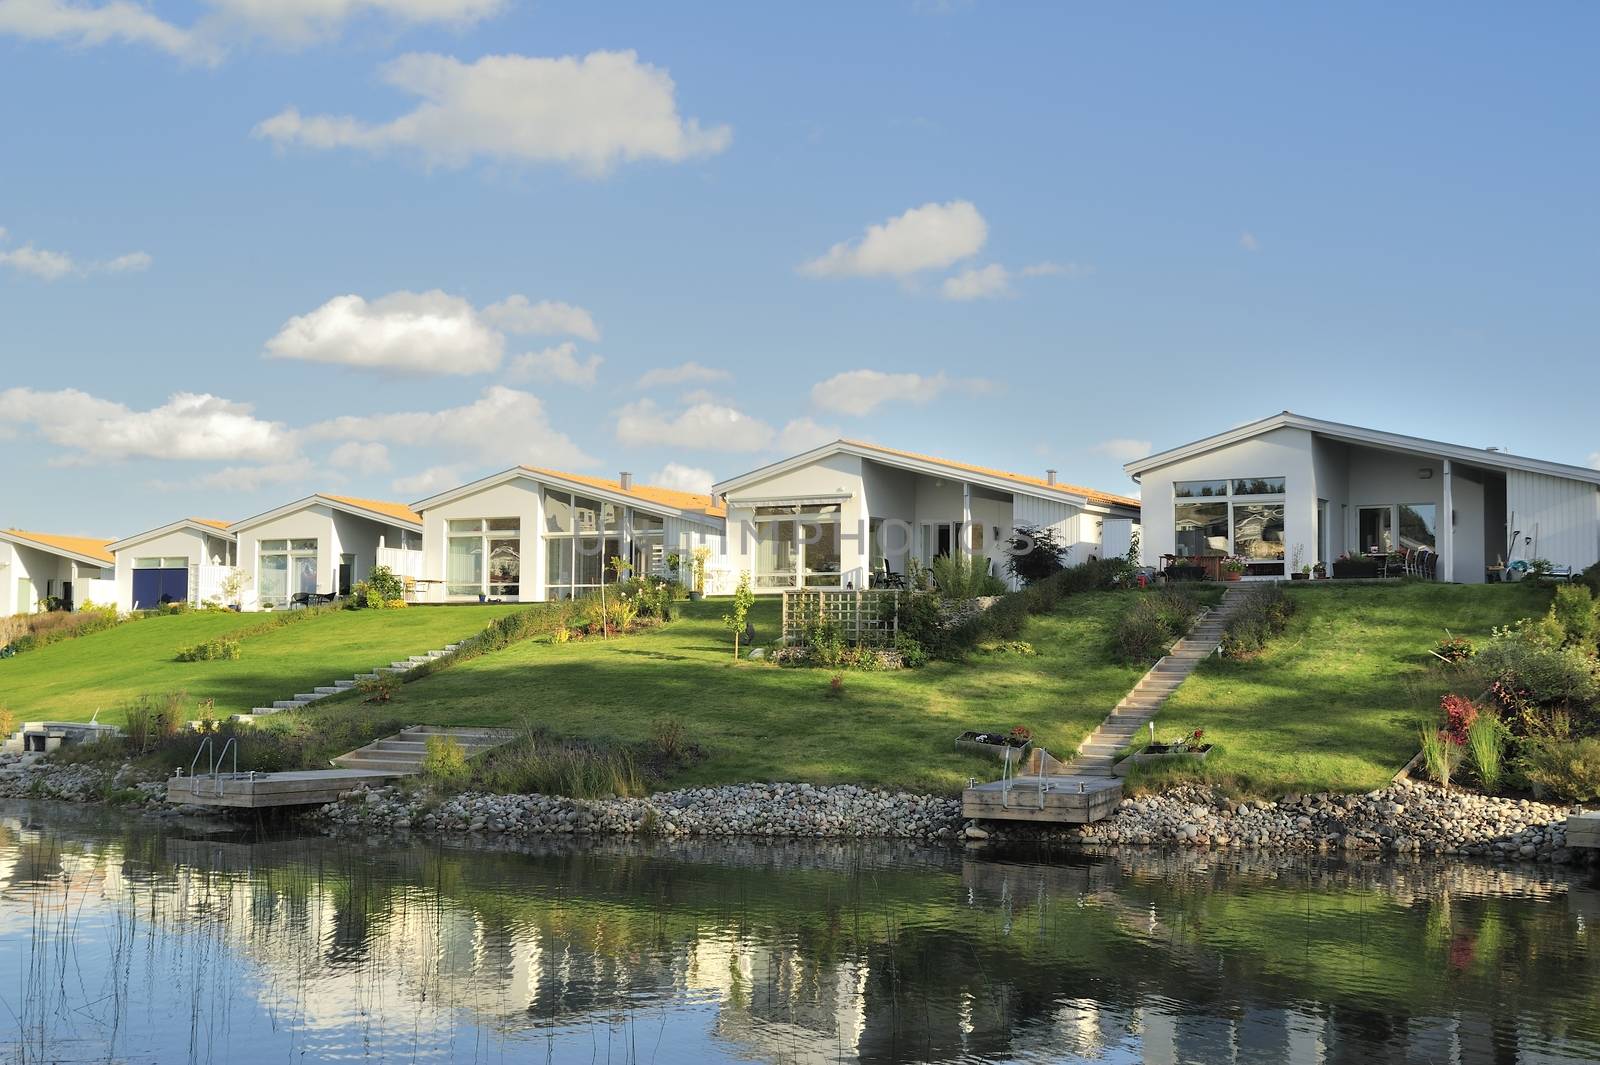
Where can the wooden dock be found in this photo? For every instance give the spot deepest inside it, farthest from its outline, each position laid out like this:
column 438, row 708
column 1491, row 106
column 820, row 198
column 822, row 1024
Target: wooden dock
column 1583, row 830
column 255, row 791
column 1045, row 791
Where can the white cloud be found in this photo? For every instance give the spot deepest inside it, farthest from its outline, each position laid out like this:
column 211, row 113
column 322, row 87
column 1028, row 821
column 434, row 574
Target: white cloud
column 515, row 314
column 503, row 426
column 1248, row 241
column 45, row 265
column 86, row 25
column 803, row 434
column 361, row 457
column 590, row 113
column 1594, row 460
column 863, row 391
column 415, row 332
column 708, row 425
column 292, row 22
column 929, row 237
column 188, row 426
column 300, row 472
column 683, row 478
column 977, row 283
column 430, row 481
column 681, row 374
column 1123, row 449
column 560, row 362
column 306, row 21
column 132, row 262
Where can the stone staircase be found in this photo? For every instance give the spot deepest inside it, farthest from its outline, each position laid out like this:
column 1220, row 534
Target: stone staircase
column 339, row 686
column 402, row 753
column 1097, row 754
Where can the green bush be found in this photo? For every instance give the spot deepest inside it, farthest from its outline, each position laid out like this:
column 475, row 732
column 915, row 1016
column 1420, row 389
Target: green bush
column 1523, row 666
column 912, row 654
column 29, row 632
column 154, row 720
column 1262, row 615
column 1150, row 625
column 1569, row 770
column 213, row 650
column 1573, row 611
column 385, row 585
column 964, row 576
column 1035, row 554
column 445, row 762
column 535, row 764
column 1486, row 741
column 379, row 689
column 1439, row 756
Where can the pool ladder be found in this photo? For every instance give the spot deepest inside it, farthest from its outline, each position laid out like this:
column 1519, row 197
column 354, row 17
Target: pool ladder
column 208, row 746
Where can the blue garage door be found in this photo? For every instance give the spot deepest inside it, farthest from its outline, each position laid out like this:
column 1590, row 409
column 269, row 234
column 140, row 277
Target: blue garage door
column 152, row 587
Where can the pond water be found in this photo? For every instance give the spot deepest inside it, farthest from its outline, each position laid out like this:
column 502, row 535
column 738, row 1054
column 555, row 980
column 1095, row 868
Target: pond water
column 131, row 940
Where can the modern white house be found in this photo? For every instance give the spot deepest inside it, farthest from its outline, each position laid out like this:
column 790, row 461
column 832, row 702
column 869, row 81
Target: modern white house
column 531, row 534
column 1289, row 487
column 185, row 561
column 38, row 566
column 850, row 515
column 321, row 545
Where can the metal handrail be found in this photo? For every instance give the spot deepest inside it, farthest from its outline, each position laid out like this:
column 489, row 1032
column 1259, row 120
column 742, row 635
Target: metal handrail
column 1008, row 778
column 233, row 745
column 194, row 780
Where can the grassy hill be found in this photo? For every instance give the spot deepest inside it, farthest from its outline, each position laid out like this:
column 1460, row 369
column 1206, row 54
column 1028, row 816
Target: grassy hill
column 70, row 680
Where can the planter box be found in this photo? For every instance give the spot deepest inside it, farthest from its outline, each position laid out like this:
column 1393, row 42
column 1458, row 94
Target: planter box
column 1162, row 753
column 1344, row 569
column 1186, row 573
column 1006, row 751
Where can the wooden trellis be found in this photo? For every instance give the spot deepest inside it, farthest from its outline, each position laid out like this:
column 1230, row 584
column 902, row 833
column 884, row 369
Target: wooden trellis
column 864, row 617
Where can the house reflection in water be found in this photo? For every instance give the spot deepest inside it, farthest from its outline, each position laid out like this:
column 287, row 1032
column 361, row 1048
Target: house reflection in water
column 793, row 953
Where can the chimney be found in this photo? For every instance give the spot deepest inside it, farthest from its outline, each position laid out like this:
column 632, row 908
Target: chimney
column 1049, row 476
column 625, row 479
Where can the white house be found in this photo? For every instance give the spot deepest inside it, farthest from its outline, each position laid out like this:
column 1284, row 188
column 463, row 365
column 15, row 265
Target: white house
column 36, row 566
column 848, row 513
column 1288, row 487
column 184, row 562
column 534, row 534
column 321, row 545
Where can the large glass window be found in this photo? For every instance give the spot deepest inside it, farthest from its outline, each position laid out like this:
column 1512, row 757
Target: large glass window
column 1375, row 529
column 1418, row 527
column 1258, row 531
column 798, row 546
column 1258, row 486
column 820, row 541
column 1191, row 489
column 483, row 557
column 777, row 550
column 1200, row 529
column 287, row 567
column 161, row 563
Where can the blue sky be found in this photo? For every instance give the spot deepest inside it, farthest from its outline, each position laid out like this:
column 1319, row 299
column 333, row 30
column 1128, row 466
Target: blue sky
column 254, row 250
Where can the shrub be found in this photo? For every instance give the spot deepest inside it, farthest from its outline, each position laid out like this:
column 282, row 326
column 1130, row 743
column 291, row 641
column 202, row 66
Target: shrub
column 1524, row 668
column 28, row 632
column 383, row 582
column 1568, row 770
column 912, row 654
column 1459, row 714
column 537, row 764
column 379, row 689
column 8, row 722
column 964, row 576
column 738, row 617
column 1439, row 756
column 1486, row 740
column 1035, row 554
column 836, row 686
column 1142, row 634
column 213, row 650
column 1262, row 615
column 1454, row 648
column 445, row 762
column 155, row 719
column 669, row 737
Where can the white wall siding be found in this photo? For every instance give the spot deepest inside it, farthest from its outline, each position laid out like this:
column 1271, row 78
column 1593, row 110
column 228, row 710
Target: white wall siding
column 1062, row 518
column 1563, row 516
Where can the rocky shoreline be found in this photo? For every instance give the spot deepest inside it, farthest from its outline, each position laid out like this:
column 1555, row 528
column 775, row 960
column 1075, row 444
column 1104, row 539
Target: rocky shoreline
column 1403, row 819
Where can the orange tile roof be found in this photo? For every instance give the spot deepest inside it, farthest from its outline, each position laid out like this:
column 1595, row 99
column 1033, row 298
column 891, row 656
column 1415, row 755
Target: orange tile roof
column 1092, row 495
column 213, row 523
column 77, row 545
column 650, row 493
column 378, row 506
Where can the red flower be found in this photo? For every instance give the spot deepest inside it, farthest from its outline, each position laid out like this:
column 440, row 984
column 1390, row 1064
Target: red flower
column 1459, row 714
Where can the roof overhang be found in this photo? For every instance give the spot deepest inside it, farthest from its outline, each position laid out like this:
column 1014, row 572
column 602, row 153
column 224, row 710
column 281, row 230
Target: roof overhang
column 177, row 526
column 903, row 462
column 54, row 549
column 1373, row 438
column 649, row 506
column 323, row 501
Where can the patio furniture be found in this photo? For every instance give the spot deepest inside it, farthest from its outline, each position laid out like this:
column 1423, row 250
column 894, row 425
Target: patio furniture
column 888, row 578
column 305, row 599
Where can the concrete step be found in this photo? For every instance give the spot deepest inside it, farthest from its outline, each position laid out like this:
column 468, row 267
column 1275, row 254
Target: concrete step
column 264, row 710
column 419, row 747
column 309, row 697
column 344, row 684
column 419, row 659
column 394, row 765
column 401, row 667
column 1100, row 750
column 367, row 676
column 288, row 704
column 330, row 689
column 437, row 654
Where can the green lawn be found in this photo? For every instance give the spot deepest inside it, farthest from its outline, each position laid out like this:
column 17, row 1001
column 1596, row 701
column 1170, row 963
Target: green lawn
column 72, row 679
column 1334, row 703
column 761, row 722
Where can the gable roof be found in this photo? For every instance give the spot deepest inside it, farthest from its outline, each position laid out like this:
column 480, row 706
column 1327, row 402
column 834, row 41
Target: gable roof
column 1375, row 438
column 1000, row 479
column 648, row 496
column 82, row 548
column 648, row 493
column 209, row 526
column 377, row 509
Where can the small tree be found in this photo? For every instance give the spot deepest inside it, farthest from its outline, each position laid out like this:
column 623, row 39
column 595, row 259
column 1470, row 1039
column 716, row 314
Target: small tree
column 232, row 587
column 1034, row 554
column 383, row 584
column 743, row 600
column 702, row 554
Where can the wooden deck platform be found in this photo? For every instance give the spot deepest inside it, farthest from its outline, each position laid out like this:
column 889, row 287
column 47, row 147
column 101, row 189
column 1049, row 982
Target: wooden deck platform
column 1583, row 830
column 1076, row 800
column 255, row 791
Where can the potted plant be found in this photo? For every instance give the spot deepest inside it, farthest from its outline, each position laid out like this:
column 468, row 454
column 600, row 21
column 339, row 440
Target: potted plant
column 1010, row 746
column 697, row 572
column 1319, row 571
column 1297, row 570
column 1232, row 567
column 1354, row 565
column 1190, row 748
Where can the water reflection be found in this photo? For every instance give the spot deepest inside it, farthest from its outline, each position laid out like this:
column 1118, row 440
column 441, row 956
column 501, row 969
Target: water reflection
column 132, row 941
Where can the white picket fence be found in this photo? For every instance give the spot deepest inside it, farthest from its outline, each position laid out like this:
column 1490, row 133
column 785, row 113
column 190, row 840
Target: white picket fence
column 403, row 562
